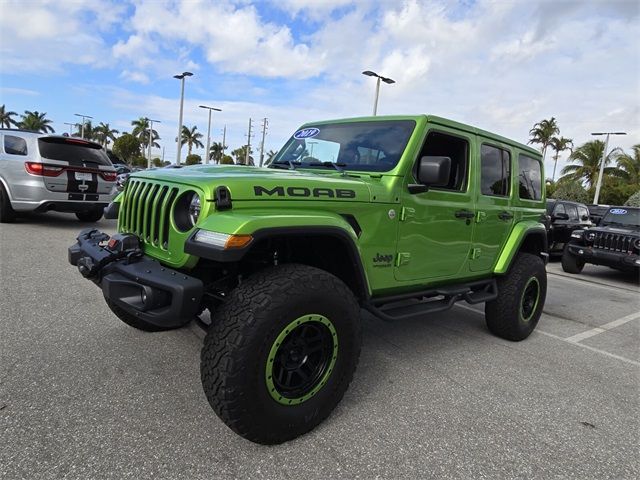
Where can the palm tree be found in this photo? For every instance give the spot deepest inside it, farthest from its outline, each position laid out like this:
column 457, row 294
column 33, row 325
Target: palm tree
column 216, row 151
column 587, row 158
column 629, row 165
column 141, row 132
column 270, row 156
column 36, row 121
column 5, row 118
column 104, row 133
column 543, row 132
column 559, row 144
column 191, row 137
column 88, row 133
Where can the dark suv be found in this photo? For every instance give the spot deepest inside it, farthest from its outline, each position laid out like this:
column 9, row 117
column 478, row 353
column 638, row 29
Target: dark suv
column 615, row 242
column 564, row 218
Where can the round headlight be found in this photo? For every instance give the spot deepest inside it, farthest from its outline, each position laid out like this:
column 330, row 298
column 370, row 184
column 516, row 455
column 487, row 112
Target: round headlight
column 194, row 209
column 590, row 236
column 186, row 211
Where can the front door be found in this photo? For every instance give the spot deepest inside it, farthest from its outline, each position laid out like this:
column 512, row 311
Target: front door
column 435, row 228
column 494, row 216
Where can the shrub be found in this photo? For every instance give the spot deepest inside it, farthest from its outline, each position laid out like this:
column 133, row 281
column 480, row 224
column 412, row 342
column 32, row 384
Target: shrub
column 193, row 159
column 633, row 200
column 572, row 191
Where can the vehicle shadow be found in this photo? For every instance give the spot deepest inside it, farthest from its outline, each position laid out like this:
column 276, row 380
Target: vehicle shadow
column 62, row 220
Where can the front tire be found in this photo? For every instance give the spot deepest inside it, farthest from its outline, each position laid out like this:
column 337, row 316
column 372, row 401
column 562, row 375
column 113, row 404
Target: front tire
column 281, row 352
column 521, row 295
column 571, row 263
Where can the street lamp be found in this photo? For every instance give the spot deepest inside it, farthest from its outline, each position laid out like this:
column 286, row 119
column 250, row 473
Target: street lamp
column 209, row 130
column 181, row 77
column 83, row 117
column 151, row 138
column 70, row 125
column 596, row 197
column 369, row 73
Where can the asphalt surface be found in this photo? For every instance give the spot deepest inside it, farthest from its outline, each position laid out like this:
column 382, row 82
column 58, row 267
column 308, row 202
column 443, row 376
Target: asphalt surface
column 84, row 396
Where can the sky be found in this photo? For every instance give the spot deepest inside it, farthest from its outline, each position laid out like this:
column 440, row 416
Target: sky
column 495, row 64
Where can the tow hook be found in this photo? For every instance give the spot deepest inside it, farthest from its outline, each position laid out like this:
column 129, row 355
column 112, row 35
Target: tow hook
column 86, row 267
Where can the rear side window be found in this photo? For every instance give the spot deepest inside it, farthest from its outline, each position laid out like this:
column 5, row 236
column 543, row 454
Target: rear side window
column 76, row 152
column 15, row 145
column 496, row 171
column 529, row 178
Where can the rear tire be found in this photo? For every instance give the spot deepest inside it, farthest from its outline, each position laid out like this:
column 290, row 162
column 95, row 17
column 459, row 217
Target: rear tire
column 521, row 295
column 281, row 352
column 571, row 263
column 7, row 214
column 90, row 215
column 134, row 321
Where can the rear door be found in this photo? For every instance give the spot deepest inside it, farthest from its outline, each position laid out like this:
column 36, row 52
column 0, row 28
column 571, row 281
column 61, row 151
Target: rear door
column 87, row 172
column 494, row 218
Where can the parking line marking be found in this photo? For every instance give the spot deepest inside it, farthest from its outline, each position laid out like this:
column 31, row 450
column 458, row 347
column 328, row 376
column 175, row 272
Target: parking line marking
column 593, row 282
column 602, row 328
column 581, row 345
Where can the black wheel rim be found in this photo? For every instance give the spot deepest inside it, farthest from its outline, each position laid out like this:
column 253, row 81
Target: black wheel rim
column 530, row 297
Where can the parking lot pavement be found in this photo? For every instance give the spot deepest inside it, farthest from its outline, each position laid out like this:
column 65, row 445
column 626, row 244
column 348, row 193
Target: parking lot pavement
column 84, row 396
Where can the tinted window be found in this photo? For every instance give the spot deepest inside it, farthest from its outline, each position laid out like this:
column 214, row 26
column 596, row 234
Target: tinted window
column 76, row 152
column 495, row 171
column 572, row 211
column 457, row 149
column 583, row 212
column 15, row 145
column 529, row 178
column 550, row 206
column 364, row 146
column 559, row 209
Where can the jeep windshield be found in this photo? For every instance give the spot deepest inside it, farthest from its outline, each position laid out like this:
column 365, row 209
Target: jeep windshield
column 368, row 146
column 622, row 217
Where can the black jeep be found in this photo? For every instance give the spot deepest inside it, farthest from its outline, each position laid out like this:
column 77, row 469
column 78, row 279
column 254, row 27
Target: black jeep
column 615, row 242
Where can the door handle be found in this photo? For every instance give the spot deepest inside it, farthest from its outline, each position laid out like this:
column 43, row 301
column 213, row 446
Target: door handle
column 505, row 216
column 465, row 214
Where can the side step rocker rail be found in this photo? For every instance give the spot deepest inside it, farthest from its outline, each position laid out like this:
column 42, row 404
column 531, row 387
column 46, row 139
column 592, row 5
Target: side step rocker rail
column 411, row 305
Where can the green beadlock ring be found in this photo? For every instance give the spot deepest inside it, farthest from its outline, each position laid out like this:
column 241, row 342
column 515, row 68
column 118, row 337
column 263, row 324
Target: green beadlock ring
column 274, row 348
column 535, row 305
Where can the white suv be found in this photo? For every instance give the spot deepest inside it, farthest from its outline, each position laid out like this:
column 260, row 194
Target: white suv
column 41, row 172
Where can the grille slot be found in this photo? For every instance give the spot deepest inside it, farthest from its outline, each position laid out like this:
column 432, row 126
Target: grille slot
column 146, row 210
column 613, row 242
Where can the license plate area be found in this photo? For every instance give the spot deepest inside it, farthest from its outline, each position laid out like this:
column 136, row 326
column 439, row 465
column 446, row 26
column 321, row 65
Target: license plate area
column 83, row 176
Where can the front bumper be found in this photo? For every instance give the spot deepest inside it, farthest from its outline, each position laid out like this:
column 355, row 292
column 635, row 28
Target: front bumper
column 139, row 285
column 604, row 257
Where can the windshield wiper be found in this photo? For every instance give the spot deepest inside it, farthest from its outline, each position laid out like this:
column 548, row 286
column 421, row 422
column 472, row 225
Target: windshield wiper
column 288, row 165
column 338, row 166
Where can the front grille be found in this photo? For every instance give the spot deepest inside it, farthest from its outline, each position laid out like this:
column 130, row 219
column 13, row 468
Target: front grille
column 146, row 210
column 614, row 242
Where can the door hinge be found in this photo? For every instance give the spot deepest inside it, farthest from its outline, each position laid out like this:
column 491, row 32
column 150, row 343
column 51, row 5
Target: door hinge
column 407, row 212
column 402, row 258
column 481, row 216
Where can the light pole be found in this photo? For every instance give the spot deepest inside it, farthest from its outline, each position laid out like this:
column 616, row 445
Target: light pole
column 181, row 77
column 369, row 73
column 596, row 197
column 83, row 117
column 70, row 125
column 209, row 130
column 151, row 138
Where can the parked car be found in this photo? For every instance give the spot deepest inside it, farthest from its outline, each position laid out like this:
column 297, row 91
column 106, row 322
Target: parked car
column 40, row 172
column 564, row 218
column 615, row 242
column 596, row 212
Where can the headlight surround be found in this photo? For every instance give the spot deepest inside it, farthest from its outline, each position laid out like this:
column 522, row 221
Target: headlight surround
column 187, row 210
column 589, row 236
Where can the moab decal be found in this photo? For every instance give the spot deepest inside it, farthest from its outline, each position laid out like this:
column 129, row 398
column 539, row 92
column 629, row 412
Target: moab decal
column 302, row 192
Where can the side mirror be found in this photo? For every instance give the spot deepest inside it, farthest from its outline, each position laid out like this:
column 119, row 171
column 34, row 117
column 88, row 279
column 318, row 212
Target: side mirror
column 560, row 216
column 432, row 172
column 584, row 218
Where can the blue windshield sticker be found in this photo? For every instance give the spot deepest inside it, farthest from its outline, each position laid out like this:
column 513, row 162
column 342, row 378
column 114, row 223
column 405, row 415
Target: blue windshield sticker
column 306, row 133
column 618, row 211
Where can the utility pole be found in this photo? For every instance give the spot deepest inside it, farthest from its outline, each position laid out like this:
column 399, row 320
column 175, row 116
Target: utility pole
column 246, row 160
column 596, row 197
column 207, row 153
column 151, row 138
column 180, row 77
column 83, row 120
column 265, row 124
column 224, row 139
column 70, row 126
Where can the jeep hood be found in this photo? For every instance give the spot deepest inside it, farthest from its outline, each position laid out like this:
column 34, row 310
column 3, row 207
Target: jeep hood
column 618, row 230
column 253, row 183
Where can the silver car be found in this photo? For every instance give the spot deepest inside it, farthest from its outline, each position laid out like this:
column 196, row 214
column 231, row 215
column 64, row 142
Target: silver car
column 41, row 172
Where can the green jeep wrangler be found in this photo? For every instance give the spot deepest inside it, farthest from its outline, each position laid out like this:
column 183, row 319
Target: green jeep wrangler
column 400, row 216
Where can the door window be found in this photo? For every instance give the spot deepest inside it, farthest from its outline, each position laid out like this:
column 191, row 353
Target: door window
column 559, row 209
column 15, row 145
column 572, row 211
column 584, row 213
column 495, row 171
column 440, row 144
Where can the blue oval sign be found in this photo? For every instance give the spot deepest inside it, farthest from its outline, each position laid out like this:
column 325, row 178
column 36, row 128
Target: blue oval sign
column 306, row 133
column 618, row 211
